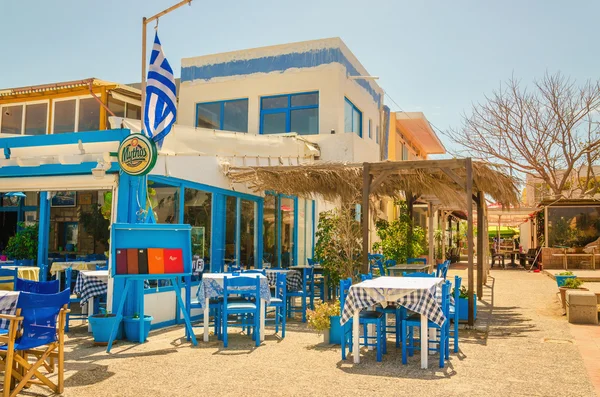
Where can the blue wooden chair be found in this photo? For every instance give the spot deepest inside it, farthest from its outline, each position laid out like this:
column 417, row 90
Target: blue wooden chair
column 102, row 267
column 9, row 276
column 319, row 282
column 453, row 310
column 278, row 303
column 380, row 268
column 38, row 287
column 73, row 299
column 418, row 274
column 367, row 317
column 304, row 294
column 410, row 261
column 255, row 271
column 442, row 269
column 37, row 331
column 414, row 321
column 248, row 310
column 364, row 277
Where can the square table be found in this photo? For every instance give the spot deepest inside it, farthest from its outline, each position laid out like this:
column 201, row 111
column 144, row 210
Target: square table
column 293, row 278
column 212, row 287
column 408, row 268
column 89, row 284
column 415, row 293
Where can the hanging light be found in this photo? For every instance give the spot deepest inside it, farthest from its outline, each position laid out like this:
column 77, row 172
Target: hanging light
column 15, row 197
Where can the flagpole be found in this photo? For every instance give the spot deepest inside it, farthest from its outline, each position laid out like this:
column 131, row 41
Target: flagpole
column 145, row 22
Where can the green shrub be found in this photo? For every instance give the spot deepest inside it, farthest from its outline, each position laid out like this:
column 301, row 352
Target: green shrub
column 318, row 319
column 565, row 274
column 24, row 244
column 573, row 283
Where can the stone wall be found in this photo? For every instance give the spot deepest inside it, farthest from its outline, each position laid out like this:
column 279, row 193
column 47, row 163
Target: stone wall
column 557, row 262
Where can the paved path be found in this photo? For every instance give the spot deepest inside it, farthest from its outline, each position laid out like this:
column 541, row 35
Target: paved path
column 523, row 346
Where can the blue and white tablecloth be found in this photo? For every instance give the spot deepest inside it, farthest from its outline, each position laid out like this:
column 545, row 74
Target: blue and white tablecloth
column 90, row 284
column 212, row 286
column 8, row 305
column 418, row 294
column 293, row 278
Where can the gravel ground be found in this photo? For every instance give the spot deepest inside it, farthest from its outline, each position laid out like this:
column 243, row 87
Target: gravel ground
column 520, row 347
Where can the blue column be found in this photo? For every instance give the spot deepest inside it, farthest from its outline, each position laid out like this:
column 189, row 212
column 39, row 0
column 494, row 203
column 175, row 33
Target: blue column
column 217, row 242
column 295, row 233
column 258, row 247
column 43, row 231
column 238, row 231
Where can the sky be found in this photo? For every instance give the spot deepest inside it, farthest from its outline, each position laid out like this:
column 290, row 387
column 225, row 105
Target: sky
column 438, row 57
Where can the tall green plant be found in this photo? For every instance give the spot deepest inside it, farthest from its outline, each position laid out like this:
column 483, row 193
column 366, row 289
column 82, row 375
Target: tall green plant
column 24, row 244
column 396, row 240
column 339, row 244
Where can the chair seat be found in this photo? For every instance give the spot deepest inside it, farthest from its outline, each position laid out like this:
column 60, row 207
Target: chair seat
column 275, row 301
column 414, row 320
column 26, row 344
column 370, row 315
column 241, row 306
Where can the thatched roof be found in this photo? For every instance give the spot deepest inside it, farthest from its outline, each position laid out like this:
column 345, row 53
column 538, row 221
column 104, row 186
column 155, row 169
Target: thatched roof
column 344, row 181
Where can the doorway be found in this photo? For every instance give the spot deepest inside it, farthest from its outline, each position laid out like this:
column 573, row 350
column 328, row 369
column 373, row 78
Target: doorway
column 8, row 227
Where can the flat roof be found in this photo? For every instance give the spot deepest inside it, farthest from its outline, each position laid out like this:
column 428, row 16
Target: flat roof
column 417, row 125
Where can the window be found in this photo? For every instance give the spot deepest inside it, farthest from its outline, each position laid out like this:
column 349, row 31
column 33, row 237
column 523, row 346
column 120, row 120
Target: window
column 64, row 116
column 377, row 135
column 197, row 213
column 404, row 152
column 166, row 203
column 122, row 109
column 116, row 106
column 370, row 130
column 290, row 113
column 89, row 114
column 352, row 118
column 223, row 115
column 28, row 119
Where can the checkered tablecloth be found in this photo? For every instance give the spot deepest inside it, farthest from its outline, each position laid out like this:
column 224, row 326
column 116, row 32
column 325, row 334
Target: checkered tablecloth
column 8, row 305
column 90, row 284
column 212, row 286
column 418, row 294
column 293, row 278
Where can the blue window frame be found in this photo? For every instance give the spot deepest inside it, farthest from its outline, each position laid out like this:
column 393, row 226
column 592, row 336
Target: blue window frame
column 352, row 118
column 370, row 130
column 290, row 113
column 223, row 115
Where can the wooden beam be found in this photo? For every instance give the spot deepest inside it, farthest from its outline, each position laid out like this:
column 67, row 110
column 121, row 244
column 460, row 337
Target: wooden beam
column 367, row 178
column 452, row 175
column 416, row 165
column 468, row 200
column 378, row 179
column 481, row 237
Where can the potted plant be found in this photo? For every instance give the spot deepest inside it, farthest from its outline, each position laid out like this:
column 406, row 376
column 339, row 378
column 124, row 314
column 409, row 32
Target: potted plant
column 102, row 326
column 132, row 327
column 571, row 283
column 463, row 304
column 23, row 246
column 562, row 277
column 325, row 319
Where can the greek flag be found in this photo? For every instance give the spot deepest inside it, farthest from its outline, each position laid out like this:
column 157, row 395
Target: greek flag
column 161, row 101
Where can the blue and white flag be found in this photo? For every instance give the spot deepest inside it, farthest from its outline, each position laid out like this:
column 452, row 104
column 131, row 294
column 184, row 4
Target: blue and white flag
column 161, row 100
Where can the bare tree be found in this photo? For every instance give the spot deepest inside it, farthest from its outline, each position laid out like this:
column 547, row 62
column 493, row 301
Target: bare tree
column 550, row 132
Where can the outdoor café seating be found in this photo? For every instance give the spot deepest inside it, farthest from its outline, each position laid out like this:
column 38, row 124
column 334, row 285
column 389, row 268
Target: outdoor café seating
column 247, row 310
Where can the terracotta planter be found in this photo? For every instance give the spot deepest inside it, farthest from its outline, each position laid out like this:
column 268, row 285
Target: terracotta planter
column 563, row 295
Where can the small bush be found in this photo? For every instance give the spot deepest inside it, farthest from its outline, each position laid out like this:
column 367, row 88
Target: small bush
column 573, row 283
column 565, row 274
column 318, row 319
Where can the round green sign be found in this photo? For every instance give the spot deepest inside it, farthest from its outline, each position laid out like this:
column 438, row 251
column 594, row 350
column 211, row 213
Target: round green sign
column 137, row 155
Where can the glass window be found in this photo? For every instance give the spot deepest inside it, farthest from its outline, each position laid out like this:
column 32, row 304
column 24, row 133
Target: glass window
column 223, row 115
column 12, row 118
column 287, row 231
column 197, row 213
column 248, row 246
column 270, row 231
column 352, row 118
column 370, row 130
column 235, row 116
column 209, row 116
column 404, row 152
column 273, row 123
column 290, row 113
column 377, row 134
column 279, row 102
column 64, row 116
column 573, row 226
column 230, row 226
column 305, row 121
column 36, row 117
column 134, row 112
column 165, row 203
column 89, row 115
column 116, row 106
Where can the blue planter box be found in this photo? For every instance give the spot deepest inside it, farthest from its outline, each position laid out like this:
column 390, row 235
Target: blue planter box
column 132, row 328
column 463, row 308
column 102, row 327
column 335, row 331
column 560, row 280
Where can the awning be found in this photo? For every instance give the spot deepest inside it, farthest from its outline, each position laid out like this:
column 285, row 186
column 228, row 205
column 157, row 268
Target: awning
column 57, row 183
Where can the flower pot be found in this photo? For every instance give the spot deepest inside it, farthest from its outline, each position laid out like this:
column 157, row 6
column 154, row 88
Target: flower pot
column 102, row 326
column 132, row 328
column 563, row 295
column 335, row 330
column 3, row 257
column 463, row 308
column 561, row 280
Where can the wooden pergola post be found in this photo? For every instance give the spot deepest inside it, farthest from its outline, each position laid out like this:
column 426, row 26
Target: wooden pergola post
column 469, row 203
column 364, row 214
column 481, row 237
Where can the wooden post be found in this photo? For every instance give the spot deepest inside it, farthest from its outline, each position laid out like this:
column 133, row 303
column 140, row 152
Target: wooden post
column 430, row 233
column 443, row 248
column 481, row 235
column 469, row 203
column 364, row 213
